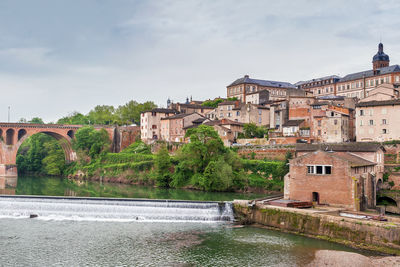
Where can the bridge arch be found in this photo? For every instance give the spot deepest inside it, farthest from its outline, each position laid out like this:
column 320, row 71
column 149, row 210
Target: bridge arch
column 21, row 133
column 64, row 141
column 10, row 136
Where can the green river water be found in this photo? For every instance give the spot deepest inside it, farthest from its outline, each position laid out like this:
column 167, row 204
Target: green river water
column 52, row 241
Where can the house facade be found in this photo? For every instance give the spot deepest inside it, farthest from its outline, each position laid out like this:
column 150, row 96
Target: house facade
column 150, row 123
column 343, row 175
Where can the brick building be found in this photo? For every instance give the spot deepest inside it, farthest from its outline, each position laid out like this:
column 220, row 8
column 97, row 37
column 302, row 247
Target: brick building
column 150, row 123
column 343, row 175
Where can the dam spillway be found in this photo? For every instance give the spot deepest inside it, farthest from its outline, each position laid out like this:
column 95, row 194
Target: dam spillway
column 108, row 209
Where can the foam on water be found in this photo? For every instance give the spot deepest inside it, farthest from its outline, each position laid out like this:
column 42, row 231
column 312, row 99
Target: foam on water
column 85, row 209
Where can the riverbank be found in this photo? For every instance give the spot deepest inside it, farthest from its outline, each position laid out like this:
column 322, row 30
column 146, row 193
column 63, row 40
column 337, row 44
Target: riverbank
column 128, row 180
column 333, row 258
column 383, row 237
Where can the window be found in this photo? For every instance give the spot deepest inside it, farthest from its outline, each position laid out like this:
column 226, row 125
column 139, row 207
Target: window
column 397, row 78
column 335, row 121
column 319, row 123
column 361, row 123
column 237, row 113
column 361, row 112
column 319, row 132
column 384, row 131
column 384, row 111
column 332, row 114
column 319, row 169
column 328, row 169
column 371, row 122
column 383, row 121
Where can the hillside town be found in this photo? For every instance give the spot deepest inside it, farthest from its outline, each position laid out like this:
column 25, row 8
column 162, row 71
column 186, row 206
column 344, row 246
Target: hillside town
column 340, row 128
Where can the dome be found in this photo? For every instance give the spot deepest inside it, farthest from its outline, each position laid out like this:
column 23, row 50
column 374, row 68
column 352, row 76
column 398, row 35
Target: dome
column 380, row 56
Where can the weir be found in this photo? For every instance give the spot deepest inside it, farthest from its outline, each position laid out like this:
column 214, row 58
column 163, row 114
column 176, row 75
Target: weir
column 108, row 209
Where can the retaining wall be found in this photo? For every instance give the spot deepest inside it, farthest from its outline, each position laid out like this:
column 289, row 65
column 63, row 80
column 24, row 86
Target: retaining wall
column 364, row 234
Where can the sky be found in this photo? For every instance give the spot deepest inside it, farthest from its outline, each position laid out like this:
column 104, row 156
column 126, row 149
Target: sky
column 61, row 56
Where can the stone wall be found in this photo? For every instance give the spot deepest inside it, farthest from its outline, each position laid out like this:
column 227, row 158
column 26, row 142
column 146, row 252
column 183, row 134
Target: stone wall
column 266, row 152
column 371, row 235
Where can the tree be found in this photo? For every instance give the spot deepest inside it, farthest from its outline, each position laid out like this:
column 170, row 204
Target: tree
column 251, row 130
column 162, row 164
column 102, row 115
column 130, row 112
column 214, row 103
column 91, row 142
column 54, row 162
column 36, row 120
column 75, row 118
column 205, row 163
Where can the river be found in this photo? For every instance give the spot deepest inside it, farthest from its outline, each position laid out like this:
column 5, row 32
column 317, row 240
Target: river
column 76, row 232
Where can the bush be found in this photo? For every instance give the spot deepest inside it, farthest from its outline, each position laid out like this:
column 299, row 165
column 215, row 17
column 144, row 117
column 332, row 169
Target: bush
column 162, row 165
column 265, row 168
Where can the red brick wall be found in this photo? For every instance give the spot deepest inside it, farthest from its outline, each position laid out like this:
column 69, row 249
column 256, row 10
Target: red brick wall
column 333, row 189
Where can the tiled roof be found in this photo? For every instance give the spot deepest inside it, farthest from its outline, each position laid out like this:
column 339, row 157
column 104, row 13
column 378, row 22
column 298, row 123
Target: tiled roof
column 355, row 161
column 318, row 79
column 194, row 106
column 227, row 103
column 268, row 83
column 293, row 123
column 378, row 103
column 179, row 116
column 161, row 110
column 342, row 147
column 370, row 73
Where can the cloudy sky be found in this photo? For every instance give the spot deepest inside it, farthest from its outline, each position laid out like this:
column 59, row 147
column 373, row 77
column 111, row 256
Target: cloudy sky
column 60, row 56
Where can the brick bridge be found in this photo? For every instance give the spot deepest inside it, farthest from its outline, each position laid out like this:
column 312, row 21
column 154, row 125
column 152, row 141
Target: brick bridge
column 12, row 135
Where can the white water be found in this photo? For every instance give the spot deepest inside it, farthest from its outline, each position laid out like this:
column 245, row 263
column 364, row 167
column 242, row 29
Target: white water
column 80, row 209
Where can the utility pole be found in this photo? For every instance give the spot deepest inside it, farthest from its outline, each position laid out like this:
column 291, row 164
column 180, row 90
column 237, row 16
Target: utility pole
column 9, row 113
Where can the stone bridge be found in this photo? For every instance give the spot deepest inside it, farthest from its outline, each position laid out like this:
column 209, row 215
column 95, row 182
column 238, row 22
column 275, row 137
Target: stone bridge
column 12, row 135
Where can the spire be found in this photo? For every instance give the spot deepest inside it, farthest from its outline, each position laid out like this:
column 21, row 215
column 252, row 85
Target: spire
column 380, row 48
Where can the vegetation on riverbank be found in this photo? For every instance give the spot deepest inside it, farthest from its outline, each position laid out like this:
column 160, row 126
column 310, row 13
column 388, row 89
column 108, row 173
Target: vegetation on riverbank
column 204, row 163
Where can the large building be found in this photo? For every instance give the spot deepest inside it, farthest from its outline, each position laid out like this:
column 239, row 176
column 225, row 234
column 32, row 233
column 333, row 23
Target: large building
column 241, row 87
column 357, row 84
column 377, row 115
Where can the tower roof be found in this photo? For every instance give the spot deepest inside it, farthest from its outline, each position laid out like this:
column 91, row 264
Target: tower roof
column 380, row 56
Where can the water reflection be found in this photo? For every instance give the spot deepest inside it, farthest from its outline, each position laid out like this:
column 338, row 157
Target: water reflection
column 8, row 185
column 57, row 186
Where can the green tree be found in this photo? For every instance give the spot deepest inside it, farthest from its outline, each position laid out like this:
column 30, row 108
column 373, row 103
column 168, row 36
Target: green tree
column 205, row 163
column 103, row 115
column 217, row 176
column 130, row 112
column 251, row 130
column 75, row 118
column 54, row 162
column 162, row 164
column 91, row 142
column 36, row 120
column 32, row 154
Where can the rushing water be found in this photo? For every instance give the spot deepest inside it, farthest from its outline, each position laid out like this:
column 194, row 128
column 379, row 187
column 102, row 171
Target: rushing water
column 112, row 232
